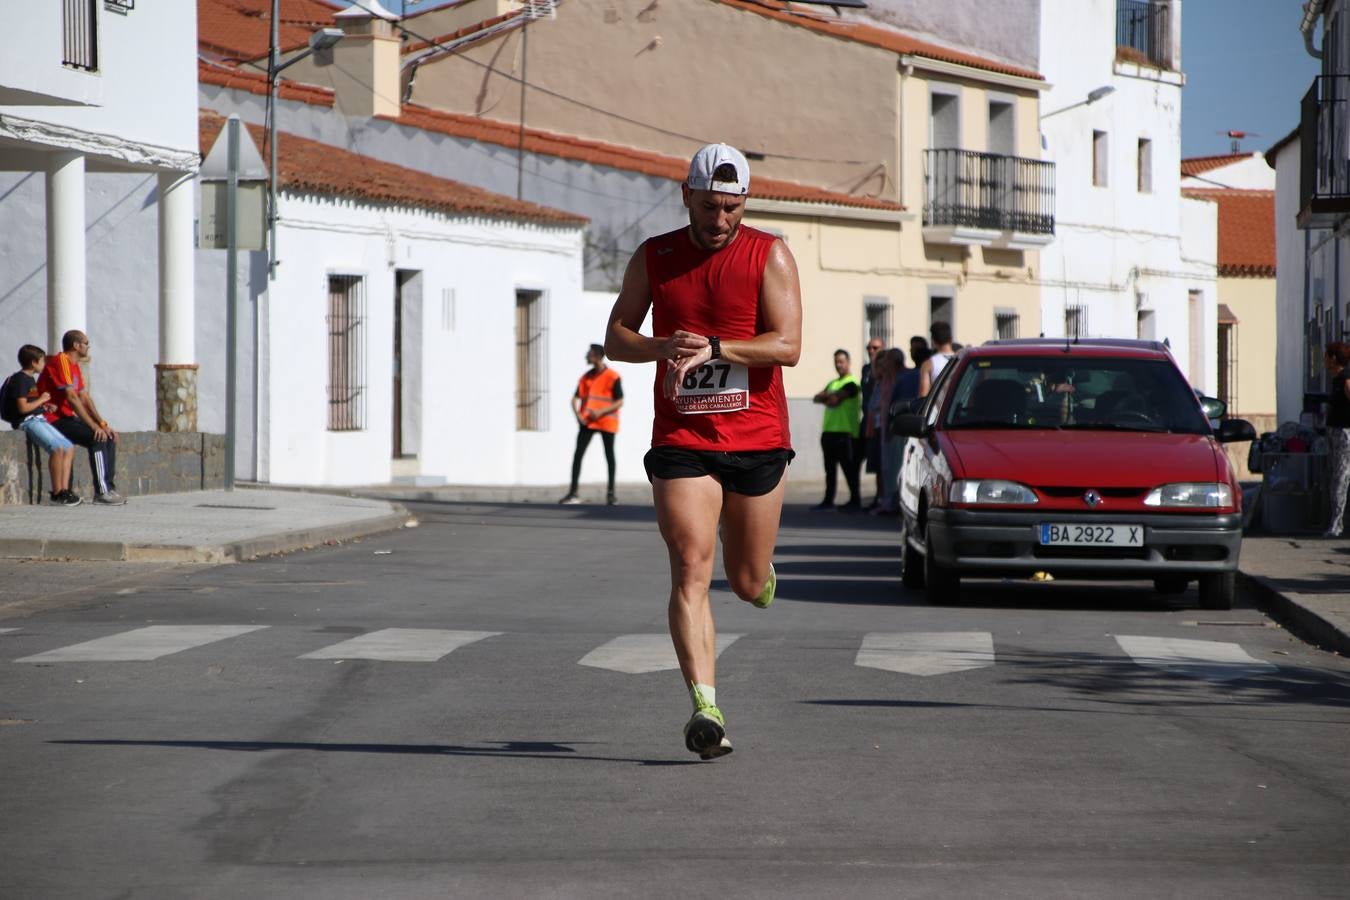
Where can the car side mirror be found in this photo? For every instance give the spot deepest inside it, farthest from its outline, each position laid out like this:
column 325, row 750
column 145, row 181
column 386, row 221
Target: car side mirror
column 908, row 425
column 1213, row 407
column 1235, row 431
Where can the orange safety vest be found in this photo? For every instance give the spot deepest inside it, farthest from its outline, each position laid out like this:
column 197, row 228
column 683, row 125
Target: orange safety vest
column 596, row 390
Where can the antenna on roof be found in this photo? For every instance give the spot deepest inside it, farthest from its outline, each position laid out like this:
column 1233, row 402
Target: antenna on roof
column 1236, row 138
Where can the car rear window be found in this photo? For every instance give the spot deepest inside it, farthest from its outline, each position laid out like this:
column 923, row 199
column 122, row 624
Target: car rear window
column 1090, row 393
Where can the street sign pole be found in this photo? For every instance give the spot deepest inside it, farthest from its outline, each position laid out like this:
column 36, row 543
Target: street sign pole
column 231, row 294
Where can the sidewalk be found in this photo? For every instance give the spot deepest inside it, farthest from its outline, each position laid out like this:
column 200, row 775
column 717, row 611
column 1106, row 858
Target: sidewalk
column 201, row 526
column 1305, row 582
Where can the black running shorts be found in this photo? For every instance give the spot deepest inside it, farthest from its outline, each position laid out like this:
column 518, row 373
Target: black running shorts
column 752, row 474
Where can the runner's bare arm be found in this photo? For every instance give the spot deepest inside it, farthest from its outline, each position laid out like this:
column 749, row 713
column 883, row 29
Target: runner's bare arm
column 623, row 342
column 780, row 303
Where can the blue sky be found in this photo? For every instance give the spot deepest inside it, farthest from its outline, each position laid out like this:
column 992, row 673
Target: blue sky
column 1246, row 69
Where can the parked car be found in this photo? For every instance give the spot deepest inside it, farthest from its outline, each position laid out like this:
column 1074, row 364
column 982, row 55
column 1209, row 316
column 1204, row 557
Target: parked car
column 1084, row 459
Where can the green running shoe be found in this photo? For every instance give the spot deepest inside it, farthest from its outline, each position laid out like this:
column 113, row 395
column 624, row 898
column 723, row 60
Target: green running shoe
column 766, row 596
column 705, row 733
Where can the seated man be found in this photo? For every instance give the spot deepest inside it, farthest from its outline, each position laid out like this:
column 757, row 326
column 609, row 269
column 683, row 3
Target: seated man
column 22, row 406
column 78, row 418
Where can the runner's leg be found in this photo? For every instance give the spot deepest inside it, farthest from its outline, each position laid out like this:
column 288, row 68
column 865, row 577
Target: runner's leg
column 687, row 511
column 749, row 533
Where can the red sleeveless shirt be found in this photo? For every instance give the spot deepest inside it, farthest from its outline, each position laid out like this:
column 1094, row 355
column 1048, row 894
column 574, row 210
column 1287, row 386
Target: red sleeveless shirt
column 715, row 292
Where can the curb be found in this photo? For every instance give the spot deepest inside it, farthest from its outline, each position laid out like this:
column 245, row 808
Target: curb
column 1301, row 621
column 237, row 551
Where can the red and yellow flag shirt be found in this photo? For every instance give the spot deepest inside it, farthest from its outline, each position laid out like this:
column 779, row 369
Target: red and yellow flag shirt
column 60, row 377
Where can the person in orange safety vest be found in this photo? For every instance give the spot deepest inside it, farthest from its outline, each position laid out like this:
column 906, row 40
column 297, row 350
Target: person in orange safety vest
column 596, row 405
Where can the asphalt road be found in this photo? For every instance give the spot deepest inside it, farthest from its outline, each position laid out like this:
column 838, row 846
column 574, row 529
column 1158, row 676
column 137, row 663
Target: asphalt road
column 495, row 728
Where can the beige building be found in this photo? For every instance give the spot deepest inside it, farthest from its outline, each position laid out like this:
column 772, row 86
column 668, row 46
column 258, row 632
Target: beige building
column 947, row 139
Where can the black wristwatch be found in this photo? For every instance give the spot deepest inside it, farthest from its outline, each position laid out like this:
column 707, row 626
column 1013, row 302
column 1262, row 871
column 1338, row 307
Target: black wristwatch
column 716, row 344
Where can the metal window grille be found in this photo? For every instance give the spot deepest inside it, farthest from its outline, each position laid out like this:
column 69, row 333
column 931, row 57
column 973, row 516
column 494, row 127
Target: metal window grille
column 1007, row 325
column 1076, row 321
column 531, row 362
column 989, row 190
column 346, row 353
column 878, row 313
column 1141, row 31
column 1228, row 366
column 79, row 30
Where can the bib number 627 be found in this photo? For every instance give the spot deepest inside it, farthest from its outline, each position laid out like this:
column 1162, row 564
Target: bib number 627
column 708, row 376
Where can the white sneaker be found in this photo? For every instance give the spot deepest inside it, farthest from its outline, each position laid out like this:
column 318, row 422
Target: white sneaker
column 110, row 498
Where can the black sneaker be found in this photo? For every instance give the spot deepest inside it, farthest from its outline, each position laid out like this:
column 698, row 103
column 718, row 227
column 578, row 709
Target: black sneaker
column 69, row 498
column 611, row 500
column 570, row 500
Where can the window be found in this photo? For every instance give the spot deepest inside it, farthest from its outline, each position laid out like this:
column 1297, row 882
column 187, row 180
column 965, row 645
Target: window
column 79, row 30
column 941, row 308
column 945, row 125
column 1100, row 158
column 531, row 377
column 1006, row 324
column 346, row 353
column 1228, row 362
column 878, row 313
column 1076, row 321
column 1145, row 158
column 1148, row 326
column 1002, row 134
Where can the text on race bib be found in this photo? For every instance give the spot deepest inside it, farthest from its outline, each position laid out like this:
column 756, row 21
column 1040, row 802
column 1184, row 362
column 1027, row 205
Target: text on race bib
column 714, row 387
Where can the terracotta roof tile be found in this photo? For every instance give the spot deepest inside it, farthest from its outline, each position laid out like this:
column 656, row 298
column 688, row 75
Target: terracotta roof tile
column 1198, row 165
column 415, row 46
column 240, row 29
column 612, row 155
column 885, row 38
column 314, row 167
column 256, row 83
column 1246, row 230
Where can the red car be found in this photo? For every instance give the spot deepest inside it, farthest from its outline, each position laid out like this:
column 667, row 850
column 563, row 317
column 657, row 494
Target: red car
column 1084, row 459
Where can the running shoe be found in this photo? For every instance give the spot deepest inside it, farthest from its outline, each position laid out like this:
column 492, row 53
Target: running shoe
column 766, row 596
column 705, row 733
column 110, row 498
column 68, row 498
column 570, row 500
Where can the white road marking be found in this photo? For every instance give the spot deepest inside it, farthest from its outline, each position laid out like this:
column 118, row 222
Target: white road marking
column 1212, row 660
column 635, row 654
column 926, row 652
column 4, row 630
column 401, row 645
column 142, row 644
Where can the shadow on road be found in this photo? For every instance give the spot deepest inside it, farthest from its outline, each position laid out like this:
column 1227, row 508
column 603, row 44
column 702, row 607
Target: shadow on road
column 503, row 750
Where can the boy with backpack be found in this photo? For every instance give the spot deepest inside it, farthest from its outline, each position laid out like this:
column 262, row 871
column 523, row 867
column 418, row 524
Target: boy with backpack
column 22, row 407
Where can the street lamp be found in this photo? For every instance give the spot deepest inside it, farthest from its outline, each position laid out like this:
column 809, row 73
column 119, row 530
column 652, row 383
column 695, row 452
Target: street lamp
column 1093, row 96
column 323, row 39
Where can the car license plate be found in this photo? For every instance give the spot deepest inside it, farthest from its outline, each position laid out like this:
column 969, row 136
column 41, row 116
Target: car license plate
column 1092, row 535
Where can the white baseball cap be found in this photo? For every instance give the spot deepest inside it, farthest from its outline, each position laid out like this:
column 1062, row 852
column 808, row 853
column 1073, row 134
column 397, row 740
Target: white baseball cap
column 707, row 170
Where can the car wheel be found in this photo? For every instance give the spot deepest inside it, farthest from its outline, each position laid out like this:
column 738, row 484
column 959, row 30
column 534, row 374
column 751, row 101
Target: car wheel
column 941, row 585
column 1171, row 584
column 911, row 560
column 1217, row 590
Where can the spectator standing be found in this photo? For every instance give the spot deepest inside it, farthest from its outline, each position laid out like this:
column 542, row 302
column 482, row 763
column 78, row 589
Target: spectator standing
column 1337, row 360
column 842, row 399
column 77, row 417
column 870, row 438
column 918, row 349
column 23, row 407
column 596, row 404
column 907, row 386
column 942, row 353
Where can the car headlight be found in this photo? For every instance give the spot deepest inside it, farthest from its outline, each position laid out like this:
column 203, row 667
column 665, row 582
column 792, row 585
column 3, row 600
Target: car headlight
column 1191, row 495
column 990, row 490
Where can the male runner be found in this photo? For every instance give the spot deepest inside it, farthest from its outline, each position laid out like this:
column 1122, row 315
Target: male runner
column 726, row 315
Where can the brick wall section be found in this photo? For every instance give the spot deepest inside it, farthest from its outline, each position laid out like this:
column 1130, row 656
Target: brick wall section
column 148, row 462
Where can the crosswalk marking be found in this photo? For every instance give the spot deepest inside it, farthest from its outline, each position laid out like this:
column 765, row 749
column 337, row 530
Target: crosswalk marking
column 926, row 653
column 4, row 630
column 1211, row 660
column 636, row 654
column 401, row 645
column 142, row 644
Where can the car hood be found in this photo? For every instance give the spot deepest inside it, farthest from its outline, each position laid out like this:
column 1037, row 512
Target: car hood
column 1083, row 458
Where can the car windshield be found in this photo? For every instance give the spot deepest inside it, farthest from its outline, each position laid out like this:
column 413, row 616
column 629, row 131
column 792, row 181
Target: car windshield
column 1083, row 393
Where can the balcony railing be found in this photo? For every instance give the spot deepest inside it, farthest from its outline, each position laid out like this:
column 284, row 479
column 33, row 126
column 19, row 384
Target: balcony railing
column 1142, row 34
column 79, row 29
column 989, row 192
column 1324, row 147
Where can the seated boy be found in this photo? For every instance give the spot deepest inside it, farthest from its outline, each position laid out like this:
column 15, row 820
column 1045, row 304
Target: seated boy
column 22, row 407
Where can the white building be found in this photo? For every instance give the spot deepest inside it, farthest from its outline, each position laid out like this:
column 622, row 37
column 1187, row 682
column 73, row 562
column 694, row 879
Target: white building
column 98, row 119
column 1132, row 256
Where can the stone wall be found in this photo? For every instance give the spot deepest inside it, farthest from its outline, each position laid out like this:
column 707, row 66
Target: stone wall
column 148, row 462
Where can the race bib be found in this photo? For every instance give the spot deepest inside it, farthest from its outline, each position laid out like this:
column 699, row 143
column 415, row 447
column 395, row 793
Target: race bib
column 714, row 387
